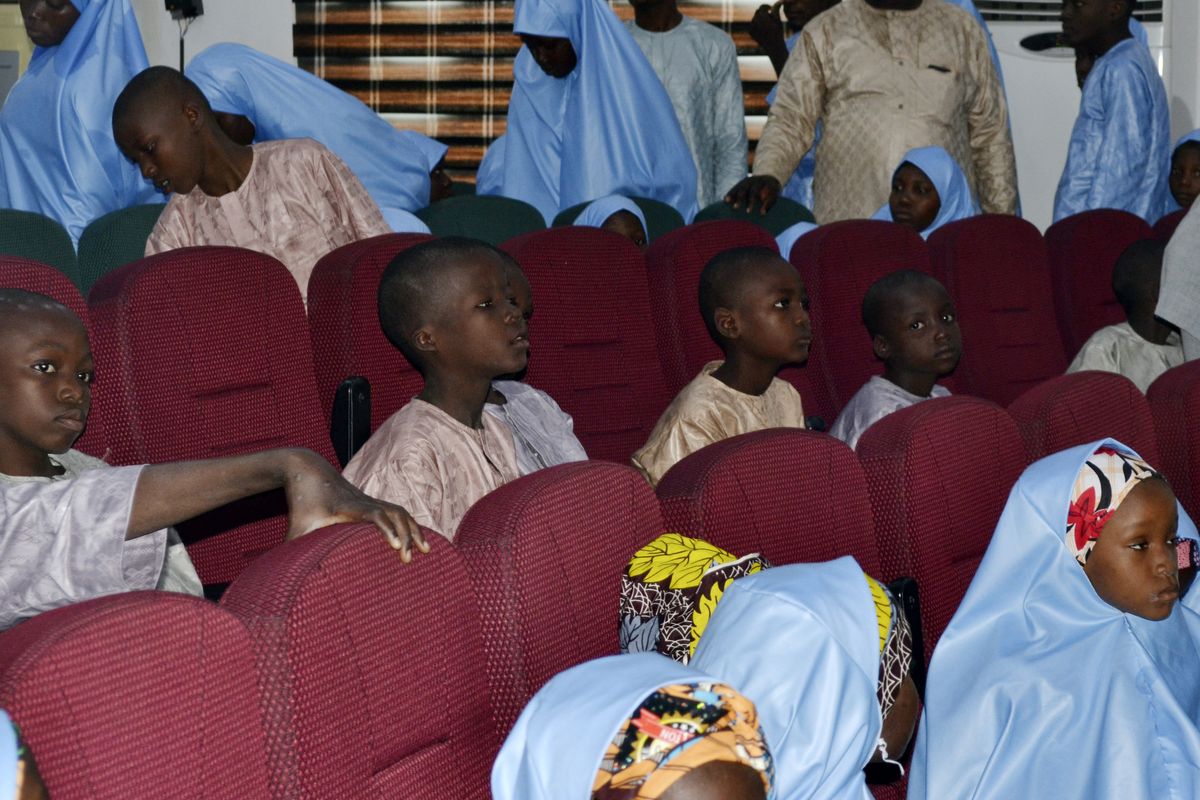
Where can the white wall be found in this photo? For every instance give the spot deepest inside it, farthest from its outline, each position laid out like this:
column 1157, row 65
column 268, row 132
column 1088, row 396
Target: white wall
column 1183, row 65
column 265, row 25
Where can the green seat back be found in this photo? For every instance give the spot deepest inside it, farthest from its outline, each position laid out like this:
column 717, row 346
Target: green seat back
column 492, row 218
column 783, row 215
column 115, row 240
column 660, row 217
column 30, row 235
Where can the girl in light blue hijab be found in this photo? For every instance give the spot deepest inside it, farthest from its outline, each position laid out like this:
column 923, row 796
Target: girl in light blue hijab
column 258, row 98
column 57, row 153
column 617, row 214
column 1184, row 178
column 593, row 119
column 634, row 727
column 912, row 204
column 1070, row 669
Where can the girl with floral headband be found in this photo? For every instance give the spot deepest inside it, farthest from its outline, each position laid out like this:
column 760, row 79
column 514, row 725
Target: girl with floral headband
column 1072, row 668
column 635, row 727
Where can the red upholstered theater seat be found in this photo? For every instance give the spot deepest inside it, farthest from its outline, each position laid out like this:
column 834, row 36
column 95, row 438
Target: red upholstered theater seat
column 206, row 353
column 147, row 694
column 792, row 495
column 1165, row 227
column 371, row 669
column 939, row 474
column 674, row 264
column 839, row 262
column 1083, row 249
column 34, row 276
column 1083, row 407
column 343, row 317
column 995, row 268
column 545, row 554
column 1175, row 404
column 592, row 335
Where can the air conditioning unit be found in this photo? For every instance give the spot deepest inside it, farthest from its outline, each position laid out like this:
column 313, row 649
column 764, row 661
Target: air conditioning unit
column 1043, row 96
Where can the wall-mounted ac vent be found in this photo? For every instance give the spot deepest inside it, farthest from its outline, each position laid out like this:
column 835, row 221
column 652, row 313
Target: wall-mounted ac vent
column 1035, row 10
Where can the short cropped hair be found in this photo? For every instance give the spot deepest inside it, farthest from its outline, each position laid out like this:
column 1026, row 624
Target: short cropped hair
column 1136, row 271
column 13, row 301
column 156, row 85
column 878, row 299
column 411, row 289
column 722, row 281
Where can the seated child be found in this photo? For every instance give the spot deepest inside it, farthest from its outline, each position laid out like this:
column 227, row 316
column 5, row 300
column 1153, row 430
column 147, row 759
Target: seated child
column 929, row 190
column 635, row 727
column 72, row 528
column 448, row 305
column 291, row 198
column 617, row 214
column 1069, row 669
column 1184, row 179
column 1142, row 347
column 825, row 653
column 19, row 776
column 914, row 330
column 756, row 310
column 542, row 432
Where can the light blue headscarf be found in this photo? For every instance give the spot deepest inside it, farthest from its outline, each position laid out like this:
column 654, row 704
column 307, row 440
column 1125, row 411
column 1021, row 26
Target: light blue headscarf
column 801, row 641
column 598, row 211
column 286, row 102
column 1194, row 136
column 791, row 235
column 57, row 152
column 950, row 182
column 1038, row 688
column 607, row 128
column 8, row 758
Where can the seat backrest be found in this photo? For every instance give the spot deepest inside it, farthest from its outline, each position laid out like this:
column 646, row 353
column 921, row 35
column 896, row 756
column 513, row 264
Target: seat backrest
column 492, row 218
column 1083, row 407
column 1165, row 227
column 592, row 339
column 114, row 240
column 31, row 235
column 783, row 215
column 372, row 686
column 939, row 474
column 206, row 350
column 792, row 495
column 1175, row 405
column 149, row 694
column 839, row 262
column 34, row 276
column 661, row 218
column 996, row 270
column 343, row 318
column 1083, row 249
column 546, row 554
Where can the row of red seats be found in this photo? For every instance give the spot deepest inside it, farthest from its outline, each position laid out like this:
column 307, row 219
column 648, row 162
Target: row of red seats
column 331, row 670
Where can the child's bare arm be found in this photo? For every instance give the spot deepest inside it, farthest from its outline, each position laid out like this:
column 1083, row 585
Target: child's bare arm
column 317, row 495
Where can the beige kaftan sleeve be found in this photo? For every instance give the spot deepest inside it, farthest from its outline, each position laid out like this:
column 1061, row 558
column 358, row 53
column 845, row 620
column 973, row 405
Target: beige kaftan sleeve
column 168, row 233
column 346, row 192
column 792, row 122
column 988, row 131
column 682, row 431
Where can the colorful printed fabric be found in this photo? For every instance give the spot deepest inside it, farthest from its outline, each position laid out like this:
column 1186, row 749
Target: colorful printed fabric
column 670, row 589
column 1103, row 483
column 675, row 730
column 895, row 645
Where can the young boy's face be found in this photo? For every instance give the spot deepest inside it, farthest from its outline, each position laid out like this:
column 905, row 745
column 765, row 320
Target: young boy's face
column 45, row 387
column 921, row 334
column 1133, row 566
column 481, row 332
column 553, row 54
column 772, row 314
column 164, row 144
column 1185, row 174
column 914, row 200
column 47, row 22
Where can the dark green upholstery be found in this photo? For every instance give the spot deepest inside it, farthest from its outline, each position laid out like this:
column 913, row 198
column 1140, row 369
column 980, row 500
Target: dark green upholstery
column 115, row 240
column 492, row 218
column 660, row 217
column 783, row 215
column 30, row 235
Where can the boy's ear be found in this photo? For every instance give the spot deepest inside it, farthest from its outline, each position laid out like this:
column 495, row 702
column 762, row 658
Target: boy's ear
column 194, row 115
column 424, row 341
column 882, row 347
column 726, row 323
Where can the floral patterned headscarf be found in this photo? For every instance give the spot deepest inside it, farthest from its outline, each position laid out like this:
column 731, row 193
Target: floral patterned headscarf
column 1103, row 483
column 675, row 730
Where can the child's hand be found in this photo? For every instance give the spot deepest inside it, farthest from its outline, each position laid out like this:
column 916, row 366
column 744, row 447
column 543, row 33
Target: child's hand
column 318, row 497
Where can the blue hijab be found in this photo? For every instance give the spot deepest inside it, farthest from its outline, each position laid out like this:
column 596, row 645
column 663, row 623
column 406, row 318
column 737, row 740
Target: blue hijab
column 1038, row 688
column 598, row 211
column 9, row 756
column 801, row 641
column 950, row 182
column 607, row 128
column 790, row 235
column 57, row 152
column 1194, row 136
column 286, row 102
